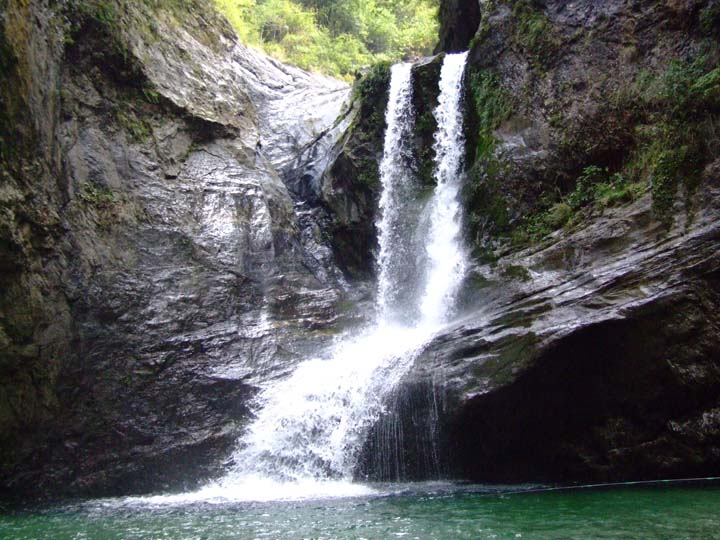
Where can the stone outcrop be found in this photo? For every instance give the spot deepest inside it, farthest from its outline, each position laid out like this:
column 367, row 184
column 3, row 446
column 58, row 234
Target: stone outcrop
column 159, row 260
column 588, row 338
column 459, row 20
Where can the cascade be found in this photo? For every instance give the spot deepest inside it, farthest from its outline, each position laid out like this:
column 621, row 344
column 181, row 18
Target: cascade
column 310, row 427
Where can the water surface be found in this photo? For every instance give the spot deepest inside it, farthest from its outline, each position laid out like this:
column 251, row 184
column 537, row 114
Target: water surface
column 424, row 511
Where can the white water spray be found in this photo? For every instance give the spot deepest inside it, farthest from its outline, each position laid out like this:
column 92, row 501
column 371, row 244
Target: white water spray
column 310, row 428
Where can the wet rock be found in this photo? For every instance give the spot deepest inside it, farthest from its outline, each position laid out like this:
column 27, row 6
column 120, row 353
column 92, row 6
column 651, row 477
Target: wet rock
column 162, row 263
column 602, row 367
column 350, row 186
column 588, row 346
column 459, row 21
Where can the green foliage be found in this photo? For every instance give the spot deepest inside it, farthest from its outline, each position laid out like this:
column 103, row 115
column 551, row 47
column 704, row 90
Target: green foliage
column 137, row 128
column 673, row 167
column 426, row 123
column 375, row 81
column 584, row 192
column 679, row 137
column 688, row 88
column 534, row 33
column 596, row 186
column 371, row 92
column 151, row 95
column 335, row 37
column 485, row 203
column 368, row 174
column 492, row 105
column 99, row 197
column 595, row 189
column 710, row 18
column 558, row 215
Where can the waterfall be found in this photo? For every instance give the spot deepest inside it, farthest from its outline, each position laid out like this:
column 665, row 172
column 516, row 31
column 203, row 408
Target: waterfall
column 396, row 255
column 310, row 427
column 445, row 249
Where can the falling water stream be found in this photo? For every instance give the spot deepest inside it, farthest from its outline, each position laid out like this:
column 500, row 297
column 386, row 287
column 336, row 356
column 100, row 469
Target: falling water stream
column 310, row 427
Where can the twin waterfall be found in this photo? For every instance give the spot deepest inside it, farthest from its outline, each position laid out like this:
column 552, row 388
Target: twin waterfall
column 310, row 428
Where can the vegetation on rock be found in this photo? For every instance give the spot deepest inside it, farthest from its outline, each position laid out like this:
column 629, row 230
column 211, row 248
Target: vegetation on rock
column 653, row 134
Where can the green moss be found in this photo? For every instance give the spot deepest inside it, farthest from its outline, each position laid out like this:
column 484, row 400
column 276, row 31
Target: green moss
column 491, row 106
column 678, row 139
column 516, row 272
column 674, row 167
column 513, row 351
column 368, row 174
column 138, row 129
column 376, row 80
column 426, row 123
column 99, row 197
column 104, row 16
column 534, row 33
column 486, row 205
column 710, row 18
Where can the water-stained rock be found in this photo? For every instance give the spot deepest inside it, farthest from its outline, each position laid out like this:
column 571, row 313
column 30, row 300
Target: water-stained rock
column 587, row 343
column 160, row 264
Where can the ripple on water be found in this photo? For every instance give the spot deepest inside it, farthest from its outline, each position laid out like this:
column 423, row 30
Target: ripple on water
column 420, row 511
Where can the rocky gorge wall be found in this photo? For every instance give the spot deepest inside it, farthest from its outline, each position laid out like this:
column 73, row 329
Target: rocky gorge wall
column 183, row 219
column 161, row 252
column 588, row 345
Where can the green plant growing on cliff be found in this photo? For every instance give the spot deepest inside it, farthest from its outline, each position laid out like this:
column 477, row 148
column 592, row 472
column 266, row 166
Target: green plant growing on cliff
column 105, row 16
column 682, row 105
column 534, row 33
column 374, row 81
column 370, row 91
column 137, row 128
column 492, row 105
column 674, row 167
column 99, row 197
column 484, row 201
column 595, row 190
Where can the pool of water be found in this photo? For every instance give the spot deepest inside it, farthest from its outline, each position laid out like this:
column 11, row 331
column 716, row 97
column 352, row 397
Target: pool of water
column 421, row 511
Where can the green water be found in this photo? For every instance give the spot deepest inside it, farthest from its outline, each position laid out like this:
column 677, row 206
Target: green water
column 421, row 512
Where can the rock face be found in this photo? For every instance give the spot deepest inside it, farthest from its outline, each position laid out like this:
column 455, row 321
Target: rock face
column 459, row 20
column 182, row 219
column 602, row 366
column 587, row 344
column 159, row 257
